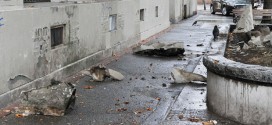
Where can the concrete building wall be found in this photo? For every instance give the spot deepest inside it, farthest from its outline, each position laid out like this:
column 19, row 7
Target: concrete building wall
column 152, row 24
column 11, row 3
column 182, row 9
column 27, row 59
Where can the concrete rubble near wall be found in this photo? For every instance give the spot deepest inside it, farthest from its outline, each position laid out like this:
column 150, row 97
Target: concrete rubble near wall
column 56, row 100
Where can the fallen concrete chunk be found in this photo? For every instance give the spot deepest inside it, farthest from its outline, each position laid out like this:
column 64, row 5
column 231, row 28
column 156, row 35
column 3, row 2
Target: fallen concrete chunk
column 160, row 49
column 100, row 73
column 182, row 76
column 55, row 100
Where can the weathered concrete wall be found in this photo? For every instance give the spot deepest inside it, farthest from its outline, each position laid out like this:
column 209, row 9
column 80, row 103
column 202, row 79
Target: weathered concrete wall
column 27, row 59
column 182, row 9
column 11, row 3
column 247, row 103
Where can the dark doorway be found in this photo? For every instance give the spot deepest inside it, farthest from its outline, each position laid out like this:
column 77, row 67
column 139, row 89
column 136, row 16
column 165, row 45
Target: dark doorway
column 185, row 12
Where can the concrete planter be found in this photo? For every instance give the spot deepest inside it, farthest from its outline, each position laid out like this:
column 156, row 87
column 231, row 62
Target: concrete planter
column 240, row 92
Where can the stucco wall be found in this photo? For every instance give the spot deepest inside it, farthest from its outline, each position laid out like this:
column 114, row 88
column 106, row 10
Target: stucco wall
column 27, row 59
column 151, row 23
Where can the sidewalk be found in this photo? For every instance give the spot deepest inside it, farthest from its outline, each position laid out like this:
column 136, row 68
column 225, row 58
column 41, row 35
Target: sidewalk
column 146, row 95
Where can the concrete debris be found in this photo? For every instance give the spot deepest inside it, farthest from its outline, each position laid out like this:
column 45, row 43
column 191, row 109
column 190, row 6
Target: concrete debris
column 255, row 41
column 182, row 76
column 100, row 73
column 194, row 119
column 246, row 22
column 211, row 122
column 115, row 75
column 246, row 47
column 160, row 49
column 55, row 100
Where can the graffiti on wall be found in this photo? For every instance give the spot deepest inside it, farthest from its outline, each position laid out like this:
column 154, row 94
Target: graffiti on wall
column 1, row 20
column 41, row 41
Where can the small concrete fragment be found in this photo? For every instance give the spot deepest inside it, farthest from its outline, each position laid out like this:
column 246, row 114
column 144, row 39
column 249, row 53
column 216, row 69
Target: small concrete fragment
column 182, row 76
column 160, row 49
column 115, row 75
column 55, row 100
column 99, row 73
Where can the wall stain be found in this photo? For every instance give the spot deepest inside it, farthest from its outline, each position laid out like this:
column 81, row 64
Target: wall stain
column 1, row 19
column 70, row 10
column 17, row 81
column 42, row 67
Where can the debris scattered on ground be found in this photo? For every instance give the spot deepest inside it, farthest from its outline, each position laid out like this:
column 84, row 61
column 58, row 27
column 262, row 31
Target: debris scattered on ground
column 200, row 44
column 88, row 87
column 100, row 73
column 149, row 109
column 121, row 109
column 180, row 116
column 194, row 119
column 211, row 122
column 160, row 49
column 158, row 99
column 19, row 115
column 55, row 100
column 182, row 76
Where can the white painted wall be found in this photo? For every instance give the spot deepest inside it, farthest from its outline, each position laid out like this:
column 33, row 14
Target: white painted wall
column 152, row 25
column 177, row 12
column 25, row 38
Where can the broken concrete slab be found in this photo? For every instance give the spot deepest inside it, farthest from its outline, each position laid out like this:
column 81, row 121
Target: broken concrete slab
column 55, row 100
column 160, row 49
column 182, row 76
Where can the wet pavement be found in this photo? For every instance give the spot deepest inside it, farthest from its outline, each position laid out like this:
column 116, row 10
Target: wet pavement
column 147, row 95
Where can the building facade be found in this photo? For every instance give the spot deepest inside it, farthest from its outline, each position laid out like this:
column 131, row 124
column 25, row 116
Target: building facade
column 41, row 41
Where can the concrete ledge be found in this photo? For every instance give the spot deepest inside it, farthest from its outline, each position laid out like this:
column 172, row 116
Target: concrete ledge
column 225, row 67
column 238, row 91
column 239, row 101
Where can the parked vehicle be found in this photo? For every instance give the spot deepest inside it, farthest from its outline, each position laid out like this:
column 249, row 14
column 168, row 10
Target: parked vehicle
column 226, row 6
